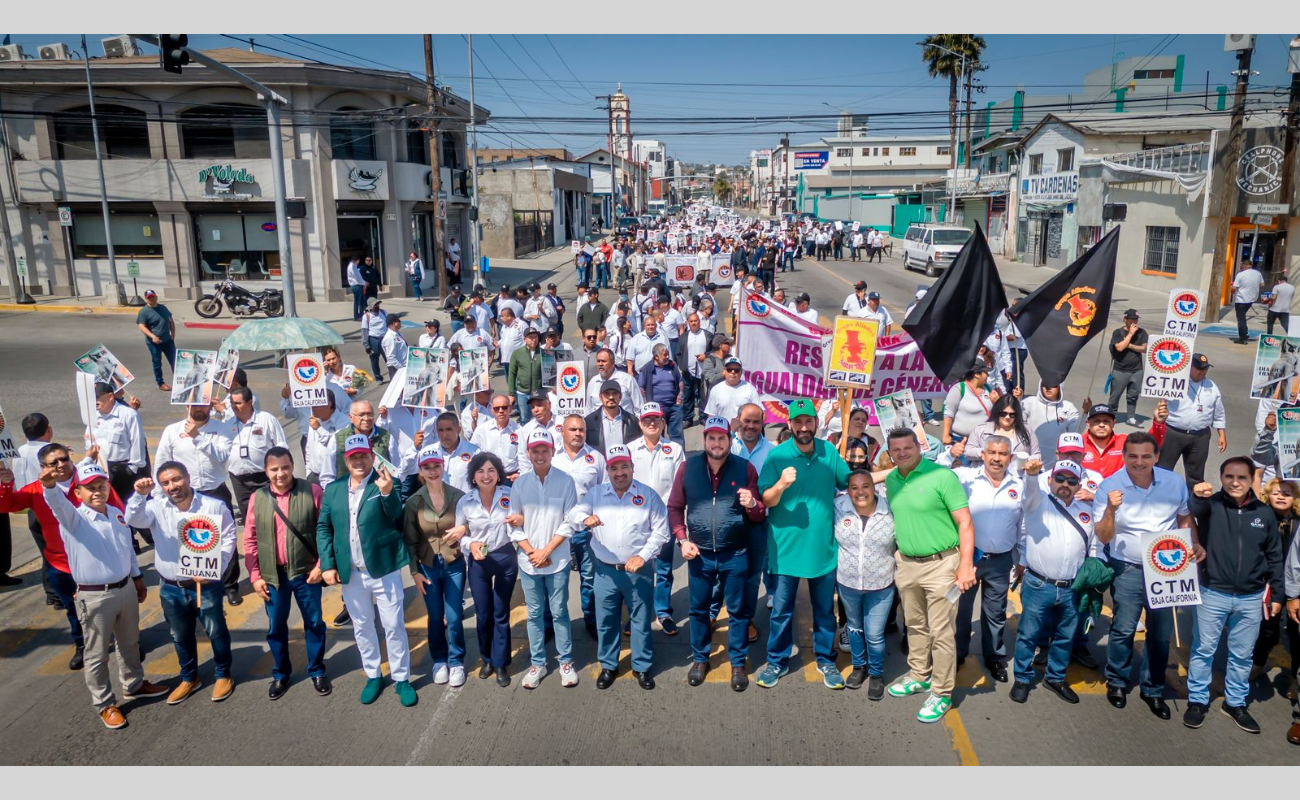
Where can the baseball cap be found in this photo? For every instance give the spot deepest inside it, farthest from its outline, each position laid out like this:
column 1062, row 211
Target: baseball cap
column 1068, row 467
column 150, row 293
column 651, row 409
column 717, row 424
column 979, row 366
column 1131, row 313
column 429, row 455
column 720, row 339
column 1101, row 409
column 617, row 453
column 802, row 407
column 89, row 472
column 539, row 436
column 731, row 360
column 611, row 386
column 860, row 285
column 531, row 332
column 537, row 397
column 873, row 295
column 1069, row 443
column 432, row 323
column 1200, row 361
column 356, row 443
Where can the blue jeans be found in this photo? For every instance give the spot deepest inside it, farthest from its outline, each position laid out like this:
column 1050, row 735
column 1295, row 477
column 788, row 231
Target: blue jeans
column 1129, row 597
column 664, row 579
column 491, row 584
column 542, row 592
column 614, row 587
column 673, row 423
column 730, row 570
column 927, row 409
column 1049, row 615
column 1242, row 615
column 521, row 404
column 178, row 604
column 602, row 275
column 444, row 598
column 584, row 275
column 358, row 301
column 868, row 611
column 780, row 635
column 758, row 572
column 376, row 353
column 65, row 587
column 156, row 352
column 787, row 261
column 415, row 285
column 580, row 552
column 307, row 595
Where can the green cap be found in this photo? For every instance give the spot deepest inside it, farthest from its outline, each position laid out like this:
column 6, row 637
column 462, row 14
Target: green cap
column 803, row 407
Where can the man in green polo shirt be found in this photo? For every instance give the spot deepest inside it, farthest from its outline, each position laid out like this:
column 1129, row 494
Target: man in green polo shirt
column 935, row 563
column 798, row 482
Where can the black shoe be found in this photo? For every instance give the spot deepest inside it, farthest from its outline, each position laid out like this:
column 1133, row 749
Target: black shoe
column 591, row 630
column 1194, row 716
column 856, row 678
column 669, row 627
column 644, row 680
column 51, row 600
column 1020, row 692
column 322, row 685
column 1116, row 697
column 739, row 679
column 9, row 580
column 342, row 619
column 606, row 678
column 503, row 678
column 233, row 598
column 486, row 671
column 278, row 688
column 695, row 675
column 78, row 659
column 1158, row 706
column 1242, row 717
column 998, row 670
column 1062, row 690
column 1040, row 658
column 1081, row 656
column 875, row 687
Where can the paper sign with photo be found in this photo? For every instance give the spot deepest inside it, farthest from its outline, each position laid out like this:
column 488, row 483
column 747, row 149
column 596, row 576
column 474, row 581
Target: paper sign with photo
column 426, row 373
column 227, row 363
column 192, row 379
column 898, row 410
column 102, row 364
column 473, row 370
column 1277, row 367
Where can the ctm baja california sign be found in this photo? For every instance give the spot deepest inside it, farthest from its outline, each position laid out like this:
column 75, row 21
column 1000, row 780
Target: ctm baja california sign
column 1057, row 186
column 220, row 182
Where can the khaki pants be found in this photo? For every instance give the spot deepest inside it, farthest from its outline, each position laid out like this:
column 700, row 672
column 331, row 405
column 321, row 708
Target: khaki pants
column 930, row 618
column 106, row 616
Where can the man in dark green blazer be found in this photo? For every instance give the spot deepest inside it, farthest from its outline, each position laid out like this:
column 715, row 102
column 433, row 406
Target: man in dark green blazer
column 359, row 536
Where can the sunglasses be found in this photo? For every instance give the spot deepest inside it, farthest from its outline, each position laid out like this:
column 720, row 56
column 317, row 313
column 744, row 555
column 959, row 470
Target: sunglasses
column 1065, row 479
column 1008, row 414
column 500, row 408
column 590, row 338
column 63, row 460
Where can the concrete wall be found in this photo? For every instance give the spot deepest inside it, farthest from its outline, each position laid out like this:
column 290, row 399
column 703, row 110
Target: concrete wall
column 1162, row 203
column 496, row 219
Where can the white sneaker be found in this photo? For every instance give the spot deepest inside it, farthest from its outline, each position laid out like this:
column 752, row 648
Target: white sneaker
column 1133, row 421
column 457, row 676
column 769, row 601
column 533, row 677
column 440, row 672
column 568, row 675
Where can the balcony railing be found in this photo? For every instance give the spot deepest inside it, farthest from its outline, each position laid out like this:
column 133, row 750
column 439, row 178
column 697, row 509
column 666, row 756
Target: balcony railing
column 1186, row 159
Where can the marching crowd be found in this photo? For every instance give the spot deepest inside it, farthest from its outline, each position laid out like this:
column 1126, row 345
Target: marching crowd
column 906, row 529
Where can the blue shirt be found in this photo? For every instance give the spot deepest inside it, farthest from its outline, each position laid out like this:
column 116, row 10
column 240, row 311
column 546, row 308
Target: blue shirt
column 157, row 320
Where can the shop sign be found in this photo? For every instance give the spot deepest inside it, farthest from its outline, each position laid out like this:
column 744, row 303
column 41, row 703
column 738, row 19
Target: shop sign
column 1057, row 186
column 811, row 159
column 219, row 182
column 363, row 181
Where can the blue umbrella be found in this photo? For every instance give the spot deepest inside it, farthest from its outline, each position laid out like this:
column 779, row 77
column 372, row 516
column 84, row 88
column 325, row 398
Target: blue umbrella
column 283, row 333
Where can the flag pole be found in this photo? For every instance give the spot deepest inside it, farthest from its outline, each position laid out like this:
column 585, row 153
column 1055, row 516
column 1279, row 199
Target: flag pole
column 845, row 413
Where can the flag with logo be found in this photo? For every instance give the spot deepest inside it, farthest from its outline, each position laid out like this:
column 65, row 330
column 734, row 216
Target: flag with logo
column 1058, row 318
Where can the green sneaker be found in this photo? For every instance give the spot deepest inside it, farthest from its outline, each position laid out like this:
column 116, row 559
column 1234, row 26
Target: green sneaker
column 370, row 692
column 831, row 676
column 934, row 709
column 908, row 686
column 406, row 693
column 770, row 675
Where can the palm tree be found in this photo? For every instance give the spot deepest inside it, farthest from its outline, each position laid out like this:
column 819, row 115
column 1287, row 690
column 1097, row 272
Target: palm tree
column 721, row 188
column 945, row 64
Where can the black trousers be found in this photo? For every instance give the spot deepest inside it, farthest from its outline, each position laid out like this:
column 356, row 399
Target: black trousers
column 122, row 478
column 34, row 525
column 230, row 578
column 1193, row 448
column 6, row 545
column 1270, row 633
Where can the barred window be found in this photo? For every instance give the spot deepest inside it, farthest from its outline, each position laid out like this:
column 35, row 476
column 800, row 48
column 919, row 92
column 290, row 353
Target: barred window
column 1162, row 250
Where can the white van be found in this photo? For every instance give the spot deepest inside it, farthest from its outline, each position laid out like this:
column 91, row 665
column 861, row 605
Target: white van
column 933, row 247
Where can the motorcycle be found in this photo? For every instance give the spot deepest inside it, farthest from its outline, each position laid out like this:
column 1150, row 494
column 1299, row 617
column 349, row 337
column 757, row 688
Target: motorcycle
column 241, row 301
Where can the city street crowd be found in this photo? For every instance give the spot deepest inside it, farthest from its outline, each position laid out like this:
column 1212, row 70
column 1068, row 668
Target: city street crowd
column 1007, row 486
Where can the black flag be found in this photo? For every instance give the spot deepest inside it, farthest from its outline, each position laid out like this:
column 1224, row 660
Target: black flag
column 959, row 312
column 1058, row 318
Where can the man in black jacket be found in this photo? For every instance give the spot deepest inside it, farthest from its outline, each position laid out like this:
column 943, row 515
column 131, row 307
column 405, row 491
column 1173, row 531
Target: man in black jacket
column 1241, row 580
column 607, row 423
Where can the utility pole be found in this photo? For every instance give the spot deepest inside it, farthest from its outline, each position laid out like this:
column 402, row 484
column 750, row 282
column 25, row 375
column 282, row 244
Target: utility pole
column 785, row 168
column 435, row 172
column 114, row 292
column 473, row 144
column 969, row 72
column 613, row 163
column 1289, row 148
column 1228, row 195
column 19, row 291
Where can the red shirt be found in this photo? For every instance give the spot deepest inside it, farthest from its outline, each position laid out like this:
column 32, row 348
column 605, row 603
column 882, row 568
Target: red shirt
column 32, row 497
column 1109, row 459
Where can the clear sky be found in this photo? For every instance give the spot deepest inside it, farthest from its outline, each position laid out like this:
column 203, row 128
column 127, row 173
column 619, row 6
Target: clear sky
column 732, row 76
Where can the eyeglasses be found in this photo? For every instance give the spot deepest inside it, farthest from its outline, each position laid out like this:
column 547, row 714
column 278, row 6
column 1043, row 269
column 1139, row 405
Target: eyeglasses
column 63, row 460
column 1065, row 479
column 590, row 338
column 500, row 408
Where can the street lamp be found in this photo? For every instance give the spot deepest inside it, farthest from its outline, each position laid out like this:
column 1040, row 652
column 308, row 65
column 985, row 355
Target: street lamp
column 952, row 187
column 850, row 113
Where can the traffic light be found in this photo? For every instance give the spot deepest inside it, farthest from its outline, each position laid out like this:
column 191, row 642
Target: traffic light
column 173, row 55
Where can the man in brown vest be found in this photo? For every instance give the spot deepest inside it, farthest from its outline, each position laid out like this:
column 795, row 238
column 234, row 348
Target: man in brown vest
column 280, row 554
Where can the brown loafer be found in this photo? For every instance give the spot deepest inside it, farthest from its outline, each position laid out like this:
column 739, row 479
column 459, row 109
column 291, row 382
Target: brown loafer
column 223, row 688
column 162, row 387
column 146, row 689
column 1293, row 734
column 182, row 692
column 113, row 718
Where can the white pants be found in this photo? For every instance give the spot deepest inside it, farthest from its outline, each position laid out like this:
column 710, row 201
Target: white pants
column 361, row 594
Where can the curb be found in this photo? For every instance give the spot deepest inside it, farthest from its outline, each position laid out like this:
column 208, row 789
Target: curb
column 55, row 309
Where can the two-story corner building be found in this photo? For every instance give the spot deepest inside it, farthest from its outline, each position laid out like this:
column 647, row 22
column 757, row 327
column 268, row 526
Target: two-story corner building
column 531, row 204
column 188, row 173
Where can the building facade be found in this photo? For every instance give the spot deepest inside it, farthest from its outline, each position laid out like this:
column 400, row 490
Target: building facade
column 533, row 204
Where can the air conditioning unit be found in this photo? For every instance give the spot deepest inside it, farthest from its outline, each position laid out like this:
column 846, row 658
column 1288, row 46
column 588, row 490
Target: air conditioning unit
column 12, row 52
column 55, row 52
column 1233, row 42
column 119, row 46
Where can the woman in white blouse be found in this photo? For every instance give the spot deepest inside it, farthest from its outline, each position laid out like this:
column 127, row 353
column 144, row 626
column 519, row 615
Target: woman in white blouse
column 486, row 519
column 864, row 575
column 618, row 342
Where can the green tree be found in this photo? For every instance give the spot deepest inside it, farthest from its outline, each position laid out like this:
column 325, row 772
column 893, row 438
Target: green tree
column 722, row 188
column 942, row 64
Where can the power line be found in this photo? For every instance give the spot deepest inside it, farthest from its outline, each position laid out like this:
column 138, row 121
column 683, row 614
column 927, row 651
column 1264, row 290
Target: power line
column 503, row 89
column 521, row 72
column 566, row 64
column 543, row 69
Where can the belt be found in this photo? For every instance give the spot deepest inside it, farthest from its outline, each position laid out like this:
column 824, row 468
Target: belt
column 991, row 555
column 1047, row 580
column 102, row 587
column 1186, row 432
column 189, row 584
column 939, row 556
column 619, row 567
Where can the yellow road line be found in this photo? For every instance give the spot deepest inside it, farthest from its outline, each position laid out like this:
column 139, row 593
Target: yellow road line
column 961, row 743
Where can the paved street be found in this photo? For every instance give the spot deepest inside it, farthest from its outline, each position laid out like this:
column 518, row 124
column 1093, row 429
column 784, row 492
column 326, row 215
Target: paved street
column 45, row 715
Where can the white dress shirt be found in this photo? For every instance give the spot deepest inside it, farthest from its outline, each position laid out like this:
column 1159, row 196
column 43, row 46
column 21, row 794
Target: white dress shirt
column 511, row 338
column 545, row 505
column 482, row 314
column 469, row 340
column 995, row 511
column 725, row 400
column 512, row 304
column 503, row 442
column 641, row 349
column 100, row 547
column 355, row 278
column 251, row 440
column 1202, row 408
column 697, row 344
column 456, row 463
column 27, row 467
column 161, row 516
column 403, row 424
column 656, row 466
column 586, row 467
column 355, row 491
column 757, row 456
column 611, row 428
column 555, row 426
column 854, row 307
column 430, row 340
column 1049, row 544
column 487, row 525
column 1156, row 508
column 322, row 446
column 120, row 438
column 467, row 423
column 395, row 348
column 632, row 396
column 204, row 456
column 535, row 315
column 635, row 524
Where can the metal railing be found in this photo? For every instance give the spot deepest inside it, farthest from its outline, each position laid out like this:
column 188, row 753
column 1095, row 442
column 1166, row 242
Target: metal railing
column 1183, row 158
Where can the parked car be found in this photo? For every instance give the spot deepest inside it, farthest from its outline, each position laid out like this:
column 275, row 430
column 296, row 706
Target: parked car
column 933, row 247
column 628, row 225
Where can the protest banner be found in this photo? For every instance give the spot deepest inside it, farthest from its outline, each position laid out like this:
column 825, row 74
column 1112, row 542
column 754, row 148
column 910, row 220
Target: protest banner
column 200, row 547
column 192, row 378
column 856, row 225
column 104, row 366
column 307, row 385
column 1182, row 316
column 8, row 450
column 852, row 352
column 1288, row 442
column 1277, row 365
column 426, row 375
column 473, row 370
column 898, row 410
column 681, row 270
column 1168, row 569
column 577, row 247
column 721, row 271
column 588, row 249
column 227, row 363
column 1168, row 364
column 570, row 388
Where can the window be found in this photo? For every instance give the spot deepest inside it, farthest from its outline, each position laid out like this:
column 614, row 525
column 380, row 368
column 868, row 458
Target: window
column 449, row 156
column 907, row 151
column 225, row 131
column 123, row 133
column 884, row 151
column 866, row 151
column 237, row 244
column 1147, row 74
column 944, row 149
column 417, row 144
column 1065, row 159
column 1162, row 250
column 844, row 152
column 352, row 137
column 134, row 235
column 1036, row 164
